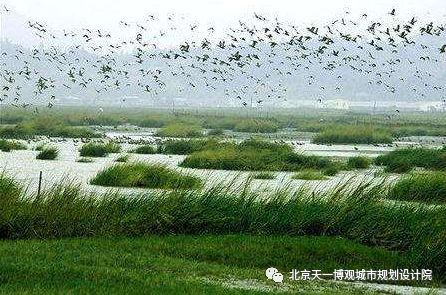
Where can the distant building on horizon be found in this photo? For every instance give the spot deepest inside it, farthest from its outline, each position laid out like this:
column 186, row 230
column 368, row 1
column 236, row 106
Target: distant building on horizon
column 337, row 104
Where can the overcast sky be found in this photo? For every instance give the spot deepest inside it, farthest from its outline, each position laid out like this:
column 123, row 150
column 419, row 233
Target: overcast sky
column 104, row 13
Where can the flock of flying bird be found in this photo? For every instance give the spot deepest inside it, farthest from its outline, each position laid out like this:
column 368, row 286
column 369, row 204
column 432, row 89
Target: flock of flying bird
column 253, row 62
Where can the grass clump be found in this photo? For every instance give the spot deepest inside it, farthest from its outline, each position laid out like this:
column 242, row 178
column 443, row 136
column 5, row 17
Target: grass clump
column 356, row 213
column 332, row 170
column 84, row 160
column 40, row 146
column 309, row 175
column 48, row 126
column 254, row 155
column 187, row 256
column 358, row 162
column 428, row 187
column 403, row 160
column 264, row 175
column 256, row 126
column 8, row 145
column 145, row 175
column 9, row 190
column 122, row 158
column 98, row 149
column 144, row 149
column 48, row 153
column 185, row 147
column 353, row 134
column 216, row 132
column 180, row 130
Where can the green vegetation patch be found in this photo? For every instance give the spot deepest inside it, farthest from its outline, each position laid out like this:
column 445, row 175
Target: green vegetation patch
column 309, row 175
column 45, row 125
column 358, row 162
column 144, row 175
column 9, row 145
column 264, row 175
column 254, row 155
column 48, row 153
column 429, row 187
column 180, row 130
column 185, row 147
column 10, row 191
column 216, row 132
column 357, row 213
column 144, row 149
column 98, row 149
column 181, row 264
column 256, row 126
column 403, row 160
column 353, row 135
column 122, row 158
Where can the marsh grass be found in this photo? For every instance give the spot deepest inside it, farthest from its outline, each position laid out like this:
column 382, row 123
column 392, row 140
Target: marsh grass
column 404, row 160
column 308, row 120
column 356, row 212
column 180, row 130
column 48, row 153
column 216, row 132
column 353, row 134
column 9, row 145
column 187, row 146
column 98, row 149
column 9, row 189
column 45, row 125
column 264, row 175
column 145, row 175
column 309, row 175
column 358, row 162
column 254, row 155
column 144, row 149
column 202, row 264
column 40, row 146
column 256, row 126
column 122, row 158
column 428, row 187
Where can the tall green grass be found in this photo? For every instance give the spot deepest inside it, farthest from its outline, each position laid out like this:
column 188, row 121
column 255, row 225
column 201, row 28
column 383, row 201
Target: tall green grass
column 180, row 130
column 264, row 175
column 256, row 126
column 355, row 212
column 403, row 160
column 353, row 134
column 254, row 155
column 98, row 149
column 182, row 264
column 8, row 145
column 45, row 125
column 216, row 132
column 48, row 153
column 188, row 146
column 358, row 162
column 309, row 175
column 429, row 187
column 144, row 149
column 144, row 175
column 122, row 158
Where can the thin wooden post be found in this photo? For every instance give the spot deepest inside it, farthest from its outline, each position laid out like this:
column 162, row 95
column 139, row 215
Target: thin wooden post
column 40, row 184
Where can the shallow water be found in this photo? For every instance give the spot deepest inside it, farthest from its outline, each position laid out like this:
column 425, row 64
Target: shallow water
column 25, row 167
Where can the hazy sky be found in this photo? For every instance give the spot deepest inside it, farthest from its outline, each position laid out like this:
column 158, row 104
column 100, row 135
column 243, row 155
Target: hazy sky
column 104, row 13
